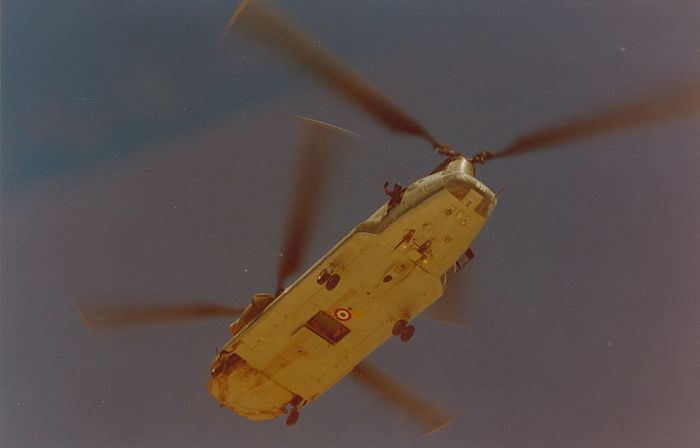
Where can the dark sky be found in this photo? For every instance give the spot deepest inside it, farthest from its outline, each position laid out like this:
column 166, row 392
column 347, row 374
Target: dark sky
column 142, row 162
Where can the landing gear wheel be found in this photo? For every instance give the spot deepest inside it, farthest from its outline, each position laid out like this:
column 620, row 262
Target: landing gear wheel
column 399, row 327
column 292, row 417
column 407, row 333
column 332, row 282
column 323, row 277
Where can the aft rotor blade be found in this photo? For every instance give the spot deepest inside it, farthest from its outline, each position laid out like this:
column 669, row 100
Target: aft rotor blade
column 104, row 317
column 426, row 415
column 311, row 182
column 293, row 43
column 664, row 106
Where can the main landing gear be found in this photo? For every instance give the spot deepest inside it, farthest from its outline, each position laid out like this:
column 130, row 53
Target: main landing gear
column 329, row 278
column 294, row 412
column 404, row 331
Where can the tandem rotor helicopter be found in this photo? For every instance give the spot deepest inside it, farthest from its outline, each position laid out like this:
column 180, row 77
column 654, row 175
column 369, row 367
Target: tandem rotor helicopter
column 288, row 348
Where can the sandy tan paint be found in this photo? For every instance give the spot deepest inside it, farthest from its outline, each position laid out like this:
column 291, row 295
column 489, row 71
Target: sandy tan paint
column 391, row 266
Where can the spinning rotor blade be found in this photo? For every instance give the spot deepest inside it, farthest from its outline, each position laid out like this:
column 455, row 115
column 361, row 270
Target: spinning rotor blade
column 430, row 418
column 667, row 105
column 291, row 42
column 311, row 182
column 100, row 318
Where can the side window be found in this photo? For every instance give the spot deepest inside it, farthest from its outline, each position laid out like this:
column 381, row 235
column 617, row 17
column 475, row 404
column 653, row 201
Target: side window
column 328, row 328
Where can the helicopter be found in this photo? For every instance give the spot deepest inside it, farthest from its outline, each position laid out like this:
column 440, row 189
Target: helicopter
column 290, row 347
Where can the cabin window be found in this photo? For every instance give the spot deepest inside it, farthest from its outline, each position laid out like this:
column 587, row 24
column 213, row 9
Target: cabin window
column 327, row 327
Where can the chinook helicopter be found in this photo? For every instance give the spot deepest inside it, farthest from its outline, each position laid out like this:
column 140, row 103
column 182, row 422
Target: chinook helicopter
column 288, row 348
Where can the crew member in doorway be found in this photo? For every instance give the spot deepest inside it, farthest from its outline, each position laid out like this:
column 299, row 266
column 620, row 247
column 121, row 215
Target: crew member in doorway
column 395, row 195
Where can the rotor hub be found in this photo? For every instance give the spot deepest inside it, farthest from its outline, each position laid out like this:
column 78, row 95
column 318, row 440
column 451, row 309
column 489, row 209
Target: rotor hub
column 482, row 157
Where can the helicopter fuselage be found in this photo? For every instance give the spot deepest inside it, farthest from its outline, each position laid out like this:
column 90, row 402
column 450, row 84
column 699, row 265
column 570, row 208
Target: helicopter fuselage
column 389, row 268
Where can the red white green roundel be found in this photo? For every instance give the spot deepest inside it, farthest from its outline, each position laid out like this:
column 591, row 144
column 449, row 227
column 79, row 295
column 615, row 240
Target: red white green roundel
column 342, row 314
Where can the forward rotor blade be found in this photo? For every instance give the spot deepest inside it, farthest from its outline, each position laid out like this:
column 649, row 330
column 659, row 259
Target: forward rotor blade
column 104, row 317
column 291, row 42
column 310, row 184
column 427, row 416
column 664, row 106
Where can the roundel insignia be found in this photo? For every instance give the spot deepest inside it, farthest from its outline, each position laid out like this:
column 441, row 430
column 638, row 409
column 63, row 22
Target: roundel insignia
column 342, row 314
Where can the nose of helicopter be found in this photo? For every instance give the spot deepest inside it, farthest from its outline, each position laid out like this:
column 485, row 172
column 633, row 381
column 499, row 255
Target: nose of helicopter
column 223, row 361
column 215, row 385
column 220, row 368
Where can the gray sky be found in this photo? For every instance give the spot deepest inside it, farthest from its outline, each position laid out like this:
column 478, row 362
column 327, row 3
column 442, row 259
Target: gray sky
column 142, row 162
